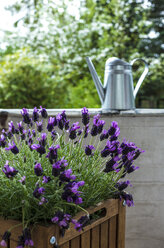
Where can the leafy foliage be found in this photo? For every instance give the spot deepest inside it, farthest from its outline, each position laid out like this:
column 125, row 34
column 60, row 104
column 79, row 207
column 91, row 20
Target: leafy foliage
column 99, row 29
column 24, row 79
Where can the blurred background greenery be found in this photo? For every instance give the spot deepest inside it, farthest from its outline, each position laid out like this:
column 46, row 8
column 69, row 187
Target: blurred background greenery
column 45, row 64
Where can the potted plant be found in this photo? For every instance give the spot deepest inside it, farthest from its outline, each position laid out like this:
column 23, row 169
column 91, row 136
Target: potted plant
column 59, row 185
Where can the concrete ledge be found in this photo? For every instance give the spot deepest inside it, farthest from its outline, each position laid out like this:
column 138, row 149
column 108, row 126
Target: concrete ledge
column 93, row 111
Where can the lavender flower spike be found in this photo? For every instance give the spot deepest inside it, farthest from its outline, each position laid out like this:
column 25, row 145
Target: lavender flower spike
column 38, row 169
column 5, row 238
column 35, row 115
column 39, row 148
column 26, row 117
column 50, row 125
column 43, row 112
column 85, row 116
column 39, row 126
column 20, row 126
column 38, row 192
column 72, row 130
column 13, row 148
column 2, row 141
column 9, row 171
column 88, row 150
column 11, row 127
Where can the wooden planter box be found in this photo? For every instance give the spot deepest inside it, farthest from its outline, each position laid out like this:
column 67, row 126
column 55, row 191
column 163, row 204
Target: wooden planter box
column 105, row 232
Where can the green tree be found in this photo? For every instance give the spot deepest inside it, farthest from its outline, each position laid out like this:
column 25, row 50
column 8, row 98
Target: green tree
column 28, row 81
column 104, row 29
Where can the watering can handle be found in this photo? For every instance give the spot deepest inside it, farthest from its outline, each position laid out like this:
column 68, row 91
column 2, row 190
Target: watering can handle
column 142, row 76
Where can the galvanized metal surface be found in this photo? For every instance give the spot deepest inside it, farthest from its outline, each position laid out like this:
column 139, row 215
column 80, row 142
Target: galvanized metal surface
column 118, row 92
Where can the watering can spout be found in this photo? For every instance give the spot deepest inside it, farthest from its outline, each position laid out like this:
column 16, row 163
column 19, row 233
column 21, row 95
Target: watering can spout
column 96, row 79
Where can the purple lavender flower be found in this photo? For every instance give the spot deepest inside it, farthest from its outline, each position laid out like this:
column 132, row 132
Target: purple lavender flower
column 25, row 239
column 23, row 180
column 85, row 116
column 29, row 133
column 63, row 163
column 115, row 136
column 110, row 148
column 5, row 239
column 23, row 134
column 12, row 147
column 2, row 141
column 9, row 171
column 63, row 115
column 86, row 131
column 81, row 223
column 11, row 127
column 66, row 124
column 46, row 179
column 110, row 165
column 94, row 130
column 51, row 123
column 71, row 193
column 137, row 153
column 35, row 115
column 20, row 126
column 4, row 133
column 72, row 130
column 38, row 169
column 88, row 150
column 30, row 141
column 122, row 185
column 104, row 135
column 100, row 125
column 43, row 201
column 43, row 112
column 59, row 167
column 9, row 134
column 42, row 140
column 56, row 168
column 21, row 242
column 60, row 121
column 38, row 192
column 114, row 127
column 127, row 147
column 39, row 126
column 39, row 148
column 34, row 133
column 66, row 176
column 61, row 219
column 26, row 117
column 128, row 198
column 52, row 154
column 53, row 134
column 131, row 168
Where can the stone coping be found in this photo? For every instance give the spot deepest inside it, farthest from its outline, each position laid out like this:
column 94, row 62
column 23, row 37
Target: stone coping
column 92, row 111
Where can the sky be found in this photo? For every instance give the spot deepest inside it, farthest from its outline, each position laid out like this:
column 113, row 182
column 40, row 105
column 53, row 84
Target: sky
column 6, row 19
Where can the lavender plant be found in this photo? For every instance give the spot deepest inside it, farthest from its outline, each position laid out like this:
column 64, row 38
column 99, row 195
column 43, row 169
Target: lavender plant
column 51, row 169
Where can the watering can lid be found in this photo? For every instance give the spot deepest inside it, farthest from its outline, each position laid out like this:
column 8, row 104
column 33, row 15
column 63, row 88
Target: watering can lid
column 116, row 61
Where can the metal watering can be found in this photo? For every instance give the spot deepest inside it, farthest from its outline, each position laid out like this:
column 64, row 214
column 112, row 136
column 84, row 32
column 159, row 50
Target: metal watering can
column 118, row 92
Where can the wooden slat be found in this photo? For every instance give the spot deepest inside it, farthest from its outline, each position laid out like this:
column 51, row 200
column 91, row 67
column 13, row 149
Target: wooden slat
column 6, row 224
column 42, row 234
column 104, row 235
column 13, row 244
column 111, row 207
column 66, row 245
column 112, row 231
column 121, row 226
column 95, row 232
column 85, row 240
column 75, row 243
